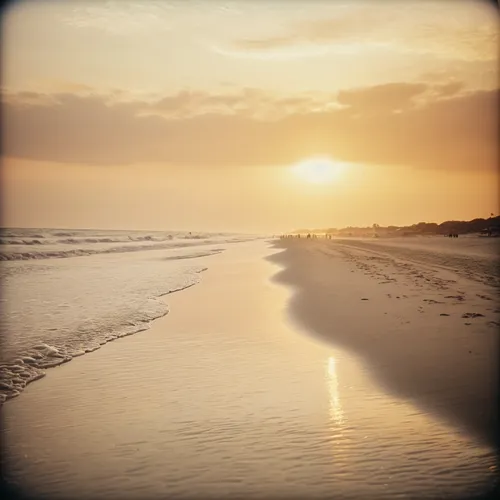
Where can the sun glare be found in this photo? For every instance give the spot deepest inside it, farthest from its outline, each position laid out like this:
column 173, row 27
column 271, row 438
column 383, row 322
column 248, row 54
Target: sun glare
column 317, row 170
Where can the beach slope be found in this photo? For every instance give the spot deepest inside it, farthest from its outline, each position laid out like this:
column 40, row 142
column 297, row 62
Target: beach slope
column 423, row 316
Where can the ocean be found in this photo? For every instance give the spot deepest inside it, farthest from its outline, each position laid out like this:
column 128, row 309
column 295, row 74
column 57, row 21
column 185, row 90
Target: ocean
column 67, row 292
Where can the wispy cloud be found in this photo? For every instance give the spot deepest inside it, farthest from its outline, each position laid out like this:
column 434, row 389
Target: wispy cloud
column 287, row 52
column 121, row 17
column 423, row 27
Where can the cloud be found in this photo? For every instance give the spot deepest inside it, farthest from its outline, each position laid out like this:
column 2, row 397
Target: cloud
column 464, row 32
column 187, row 103
column 29, row 98
column 122, row 17
column 448, row 89
column 73, row 87
column 247, row 101
column 402, row 123
column 267, row 43
column 80, row 129
column 387, row 97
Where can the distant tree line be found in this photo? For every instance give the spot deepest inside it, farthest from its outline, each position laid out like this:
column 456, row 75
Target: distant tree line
column 486, row 227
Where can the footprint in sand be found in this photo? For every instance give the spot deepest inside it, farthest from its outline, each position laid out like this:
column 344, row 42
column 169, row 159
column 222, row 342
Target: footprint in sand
column 431, row 301
column 496, row 324
column 364, row 299
column 484, row 297
column 444, row 314
column 472, row 315
column 456, row 297
column 467, row 324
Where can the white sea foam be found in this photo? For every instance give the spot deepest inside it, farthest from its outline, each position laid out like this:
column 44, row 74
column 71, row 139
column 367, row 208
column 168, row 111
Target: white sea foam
column 56, row 309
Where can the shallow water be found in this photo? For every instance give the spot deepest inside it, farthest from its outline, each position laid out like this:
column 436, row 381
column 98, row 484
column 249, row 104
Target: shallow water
column 54, row 309
column 226, row 397
column 34, row 244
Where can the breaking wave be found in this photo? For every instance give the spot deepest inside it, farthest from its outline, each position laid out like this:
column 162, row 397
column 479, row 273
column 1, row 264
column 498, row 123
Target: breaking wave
column 58, row 308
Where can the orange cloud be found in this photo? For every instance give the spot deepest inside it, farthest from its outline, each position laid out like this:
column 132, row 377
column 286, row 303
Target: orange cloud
column 387, row 97
column 377, row 125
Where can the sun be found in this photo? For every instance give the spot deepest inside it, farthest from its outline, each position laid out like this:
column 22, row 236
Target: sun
column 320, row 170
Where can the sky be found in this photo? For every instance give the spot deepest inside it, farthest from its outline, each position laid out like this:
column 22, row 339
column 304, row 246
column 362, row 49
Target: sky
column 193, row 115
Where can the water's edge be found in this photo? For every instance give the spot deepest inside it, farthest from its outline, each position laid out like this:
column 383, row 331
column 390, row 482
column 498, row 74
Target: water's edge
column 15, row 376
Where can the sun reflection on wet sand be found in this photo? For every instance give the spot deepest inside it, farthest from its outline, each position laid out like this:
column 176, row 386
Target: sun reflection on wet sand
column 336, row 412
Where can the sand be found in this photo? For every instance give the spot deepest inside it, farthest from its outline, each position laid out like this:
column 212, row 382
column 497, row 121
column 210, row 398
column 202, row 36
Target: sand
column 311, row 369
column 427, row 331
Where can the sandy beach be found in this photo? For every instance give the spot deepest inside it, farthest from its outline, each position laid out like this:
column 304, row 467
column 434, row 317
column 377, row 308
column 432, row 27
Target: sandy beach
column 425, row 321
column 294, row 369
column 250, row 250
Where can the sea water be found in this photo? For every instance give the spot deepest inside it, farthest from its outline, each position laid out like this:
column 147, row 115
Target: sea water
column 67, row 292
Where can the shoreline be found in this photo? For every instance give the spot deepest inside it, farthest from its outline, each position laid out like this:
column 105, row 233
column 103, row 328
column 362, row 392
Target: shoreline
column 447, row 366
column 54, row 360
column 230, row 397
column 21, row 367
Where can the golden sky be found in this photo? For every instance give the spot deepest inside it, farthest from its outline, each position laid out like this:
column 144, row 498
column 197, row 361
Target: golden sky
column 191, row 114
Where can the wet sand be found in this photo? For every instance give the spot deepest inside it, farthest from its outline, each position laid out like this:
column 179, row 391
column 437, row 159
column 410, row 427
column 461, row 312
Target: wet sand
column 425, row 322
column 252, row 389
